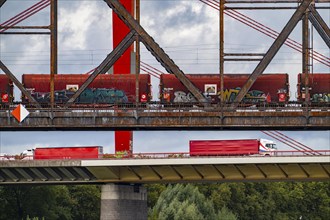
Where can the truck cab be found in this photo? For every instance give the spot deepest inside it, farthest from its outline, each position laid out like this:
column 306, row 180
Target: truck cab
column 267, row 147
column 27, row 154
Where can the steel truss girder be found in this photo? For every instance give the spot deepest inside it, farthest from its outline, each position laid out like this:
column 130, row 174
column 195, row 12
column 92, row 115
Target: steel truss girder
column 273, row 50
column 106, row 64
column 2, row 2
column 320, row 25
column 18, row 84
column 154, row 48
column 14, row 79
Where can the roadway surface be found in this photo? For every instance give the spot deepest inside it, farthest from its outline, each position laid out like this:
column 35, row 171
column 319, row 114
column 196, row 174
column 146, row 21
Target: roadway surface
column 163, row 170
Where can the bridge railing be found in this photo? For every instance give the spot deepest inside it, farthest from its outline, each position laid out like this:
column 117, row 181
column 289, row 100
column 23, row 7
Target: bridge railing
column 176, row 107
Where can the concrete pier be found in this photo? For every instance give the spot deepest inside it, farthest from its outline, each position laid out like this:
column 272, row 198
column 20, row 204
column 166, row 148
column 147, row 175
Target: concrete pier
column 124, row 202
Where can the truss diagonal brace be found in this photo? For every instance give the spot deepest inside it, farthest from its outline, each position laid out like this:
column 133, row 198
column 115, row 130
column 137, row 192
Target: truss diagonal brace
column 273, row 50
column 155, row 49
column 320, row 25
column 106, row 64
column 18, row 84
column 2, row 2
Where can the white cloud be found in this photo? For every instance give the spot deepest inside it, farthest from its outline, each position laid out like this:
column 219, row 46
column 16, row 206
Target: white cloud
column 75, row 23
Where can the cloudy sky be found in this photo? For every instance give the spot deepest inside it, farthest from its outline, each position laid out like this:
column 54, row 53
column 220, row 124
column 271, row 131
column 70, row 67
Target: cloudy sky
column 187, row 30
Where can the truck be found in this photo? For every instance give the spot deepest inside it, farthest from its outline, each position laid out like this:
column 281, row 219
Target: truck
column 232, row 147
column 60, row 153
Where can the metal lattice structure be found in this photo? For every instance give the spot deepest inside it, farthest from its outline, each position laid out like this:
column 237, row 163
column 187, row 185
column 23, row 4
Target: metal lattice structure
column 227, row 118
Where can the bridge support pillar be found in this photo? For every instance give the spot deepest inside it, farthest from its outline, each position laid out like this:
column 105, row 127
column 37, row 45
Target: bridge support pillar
column 124, row 202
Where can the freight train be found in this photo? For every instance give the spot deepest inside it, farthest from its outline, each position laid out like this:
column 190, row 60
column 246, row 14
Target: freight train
column 121, row 88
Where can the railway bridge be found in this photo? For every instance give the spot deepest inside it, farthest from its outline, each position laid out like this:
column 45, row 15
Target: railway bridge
column 202, row 116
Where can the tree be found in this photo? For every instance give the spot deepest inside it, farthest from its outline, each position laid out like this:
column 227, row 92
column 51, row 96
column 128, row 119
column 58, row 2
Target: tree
column 87, row 201
column 50, row 202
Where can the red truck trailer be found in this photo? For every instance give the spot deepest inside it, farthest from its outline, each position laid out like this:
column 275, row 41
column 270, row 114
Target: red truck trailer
column 231, row 147
column 51, row 153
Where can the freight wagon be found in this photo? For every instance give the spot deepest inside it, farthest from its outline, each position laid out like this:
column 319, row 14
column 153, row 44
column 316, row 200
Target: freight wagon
column 6, row 89
column 268, row 87
column 59, row 153
column 319, row 87
column 105, row 89
column 231, row 147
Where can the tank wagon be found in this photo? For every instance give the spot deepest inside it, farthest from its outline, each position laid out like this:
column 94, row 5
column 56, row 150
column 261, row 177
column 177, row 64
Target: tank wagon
column 6, row 89
column 105, row 89
column 318, row 85
column 268, row 87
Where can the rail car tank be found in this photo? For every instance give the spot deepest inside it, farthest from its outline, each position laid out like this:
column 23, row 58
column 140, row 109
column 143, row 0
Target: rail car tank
column 6, row 89
column 106, row 88
column 319, row 87
column 268, row 87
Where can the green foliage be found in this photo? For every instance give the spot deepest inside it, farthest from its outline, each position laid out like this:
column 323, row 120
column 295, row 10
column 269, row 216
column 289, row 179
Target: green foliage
column 226, row 214
column 154, row 191
column 86, row 201
column 49, row 202
column 182, row 202
column 273, row 200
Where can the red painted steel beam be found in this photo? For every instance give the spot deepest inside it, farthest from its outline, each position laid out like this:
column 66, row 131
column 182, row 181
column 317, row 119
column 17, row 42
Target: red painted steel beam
column 273, row 50
column 155, row 49
column 120, row 30
column 123, row 139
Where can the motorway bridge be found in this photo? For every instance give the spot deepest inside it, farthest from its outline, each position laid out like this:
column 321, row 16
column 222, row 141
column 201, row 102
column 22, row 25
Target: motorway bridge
column 175, row 168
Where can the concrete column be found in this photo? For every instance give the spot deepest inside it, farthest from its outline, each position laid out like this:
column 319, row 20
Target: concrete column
column 124, row 202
